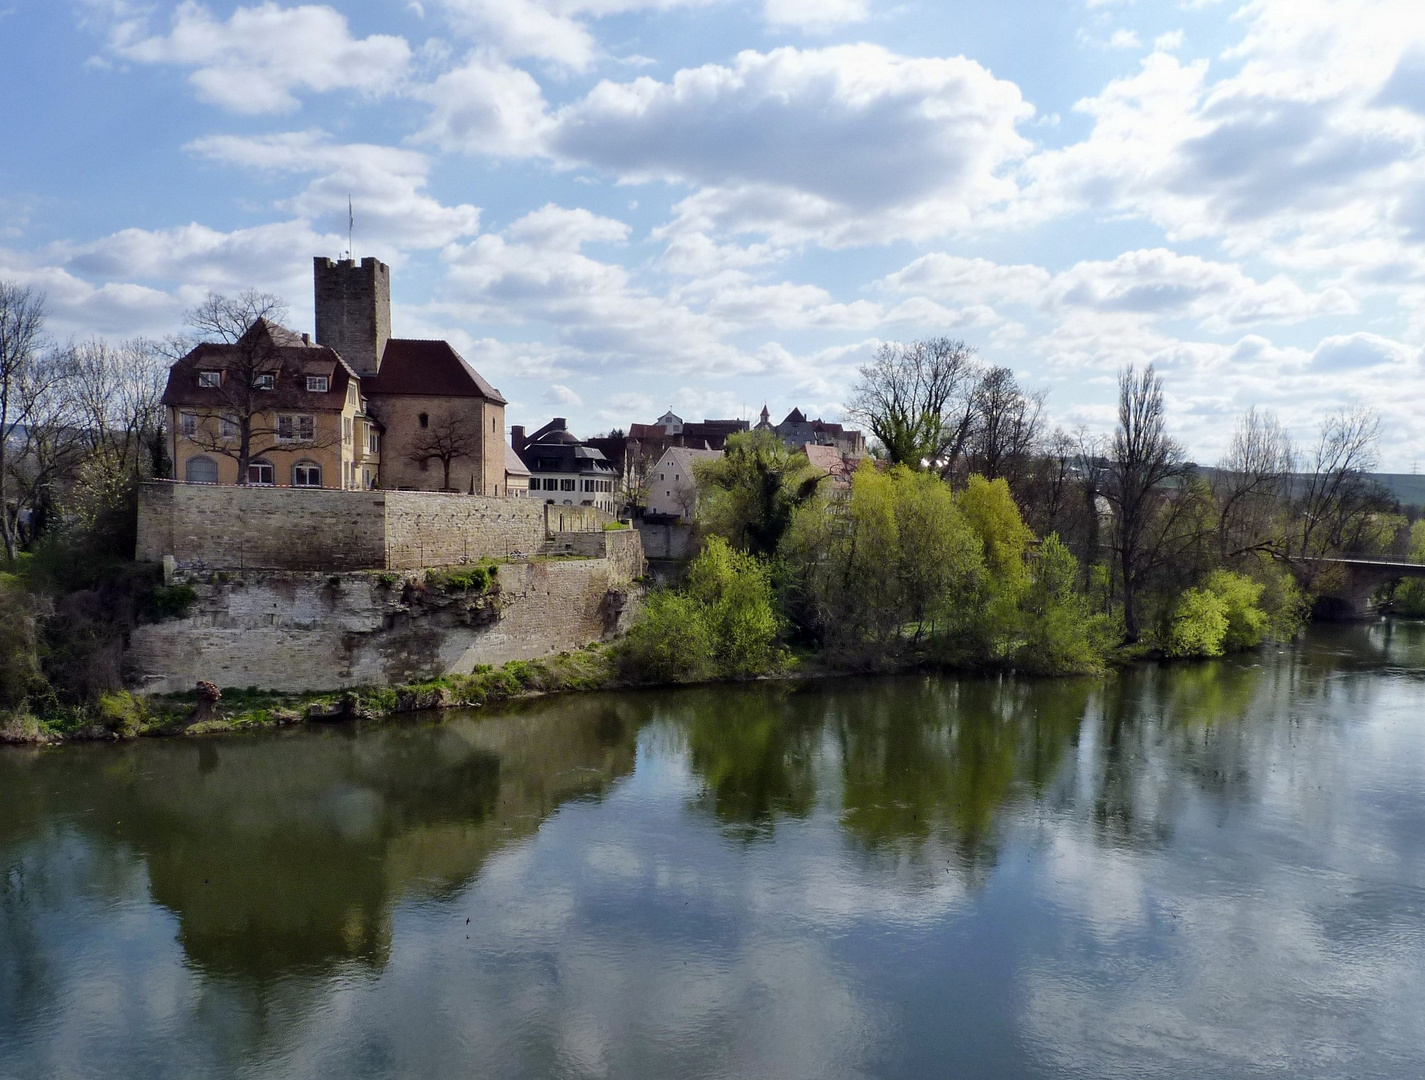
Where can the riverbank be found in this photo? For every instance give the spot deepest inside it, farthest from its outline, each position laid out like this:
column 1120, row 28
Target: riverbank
column 122, row 716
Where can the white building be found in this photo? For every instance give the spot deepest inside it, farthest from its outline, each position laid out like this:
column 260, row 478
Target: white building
column 672, row 487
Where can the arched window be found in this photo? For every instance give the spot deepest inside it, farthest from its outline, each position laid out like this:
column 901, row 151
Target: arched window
column 424, row 418
column 201, row 470
column 260, row 473
column 306, row 474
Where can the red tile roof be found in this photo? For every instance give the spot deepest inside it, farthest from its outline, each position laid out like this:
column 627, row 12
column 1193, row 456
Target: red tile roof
column 429, row 369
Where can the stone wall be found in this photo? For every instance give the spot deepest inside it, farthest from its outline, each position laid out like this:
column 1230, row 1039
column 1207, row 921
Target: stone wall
column 666, row 540
column 305, row 631
column 424, row 528
column 400, row 414
column 216, row 527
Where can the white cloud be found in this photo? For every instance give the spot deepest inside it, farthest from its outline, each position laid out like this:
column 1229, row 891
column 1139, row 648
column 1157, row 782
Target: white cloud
column 253, row 62
column 384, row 183
column 970, row 280
column 840, row 143
column 485, row 107
column 814, row 15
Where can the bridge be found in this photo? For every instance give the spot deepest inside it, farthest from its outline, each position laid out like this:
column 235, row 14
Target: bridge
column 1350, row 593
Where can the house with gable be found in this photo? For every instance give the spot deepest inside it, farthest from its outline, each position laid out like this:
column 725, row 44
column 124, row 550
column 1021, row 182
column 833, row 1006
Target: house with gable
column 353, row 409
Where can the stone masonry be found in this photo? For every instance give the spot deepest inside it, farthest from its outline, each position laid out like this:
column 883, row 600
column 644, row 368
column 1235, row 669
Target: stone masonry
column 212, row 527
column 298, row 632
column 353, row 305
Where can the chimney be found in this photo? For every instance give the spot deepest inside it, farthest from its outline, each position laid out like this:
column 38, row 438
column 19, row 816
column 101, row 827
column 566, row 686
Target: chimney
column 353, row 305
column 517, row 442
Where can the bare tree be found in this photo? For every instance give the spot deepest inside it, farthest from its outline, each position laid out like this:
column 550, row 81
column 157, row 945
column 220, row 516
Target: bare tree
column 259, row 377
column 22, row 315
column 1144, row 460
column 448, row 437
column 1338, row 500
column 1004, row 428
column 52, row 444
column 1251, row 484
column 917, row 400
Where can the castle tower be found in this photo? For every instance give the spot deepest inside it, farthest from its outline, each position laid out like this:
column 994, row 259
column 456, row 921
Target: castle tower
column 353, row 309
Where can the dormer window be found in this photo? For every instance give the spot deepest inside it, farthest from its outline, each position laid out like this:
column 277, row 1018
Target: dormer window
column 264, row 382
column 317, row 384
column 210, row 379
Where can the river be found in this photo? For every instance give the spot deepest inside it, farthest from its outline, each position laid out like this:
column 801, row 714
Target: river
column 1194, row 870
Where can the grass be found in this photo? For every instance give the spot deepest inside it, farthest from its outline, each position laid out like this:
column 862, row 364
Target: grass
column 121, row 715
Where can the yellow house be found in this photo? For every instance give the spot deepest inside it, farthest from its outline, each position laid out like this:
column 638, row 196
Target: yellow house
column 271, row 409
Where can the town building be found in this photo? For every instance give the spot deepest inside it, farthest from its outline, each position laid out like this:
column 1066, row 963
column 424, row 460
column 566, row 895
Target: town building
column 296, row 405
column 563, row 470
column 356, row 408
column 672, row 487
column 797, row 431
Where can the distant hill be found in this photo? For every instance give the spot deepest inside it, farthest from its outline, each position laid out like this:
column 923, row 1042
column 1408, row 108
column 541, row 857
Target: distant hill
column 1409, row 488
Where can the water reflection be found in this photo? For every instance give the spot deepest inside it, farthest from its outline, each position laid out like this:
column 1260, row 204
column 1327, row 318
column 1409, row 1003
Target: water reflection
column 286, row 854
column 1183, row 870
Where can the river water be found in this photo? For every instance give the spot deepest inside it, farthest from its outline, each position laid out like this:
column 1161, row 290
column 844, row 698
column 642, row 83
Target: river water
column 1205, row 870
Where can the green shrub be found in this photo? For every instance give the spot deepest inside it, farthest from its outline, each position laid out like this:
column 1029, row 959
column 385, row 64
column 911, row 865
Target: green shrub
column 387, row 580
column 476, row 579
column 1061, row 633
column 671, row 643
column 121, row 712
column 1247, row 623
column 1198, row 625
column 172, row 601
column 734, row 591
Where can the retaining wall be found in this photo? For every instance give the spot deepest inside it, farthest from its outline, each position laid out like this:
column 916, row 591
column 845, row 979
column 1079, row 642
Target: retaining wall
column 215, row 527
column 306, row 631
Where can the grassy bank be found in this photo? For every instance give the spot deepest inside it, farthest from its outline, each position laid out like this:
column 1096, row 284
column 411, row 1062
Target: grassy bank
column 122, row 715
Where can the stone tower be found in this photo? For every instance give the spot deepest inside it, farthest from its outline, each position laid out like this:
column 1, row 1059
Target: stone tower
column 353, row 310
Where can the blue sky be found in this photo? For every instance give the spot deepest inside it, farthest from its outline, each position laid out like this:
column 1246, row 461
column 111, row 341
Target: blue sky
column 614, row 206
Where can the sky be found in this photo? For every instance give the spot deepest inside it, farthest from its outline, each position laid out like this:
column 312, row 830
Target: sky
column 613, row 207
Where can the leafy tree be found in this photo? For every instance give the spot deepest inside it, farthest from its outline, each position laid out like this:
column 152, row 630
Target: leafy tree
column 724, row 622
column 878, row 573
column 1198, row 625
column 750, row 494
column 1060, row 632
column 734, row 591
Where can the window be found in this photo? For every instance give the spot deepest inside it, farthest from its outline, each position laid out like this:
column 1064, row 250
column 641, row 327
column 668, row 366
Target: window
column 346, row 430
column 566, row 485
column 366, row 479
column 588, row 485
column 351, row 393
column 317, row 384
column 492, row 424
column 306, row 474
column 296, row 428
column 228, row 427
column 210, row 378
column 264, row 382
column 201, row 470
column 424, row 419
column 189, row 423
column 373, row 441
column 260, row 473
